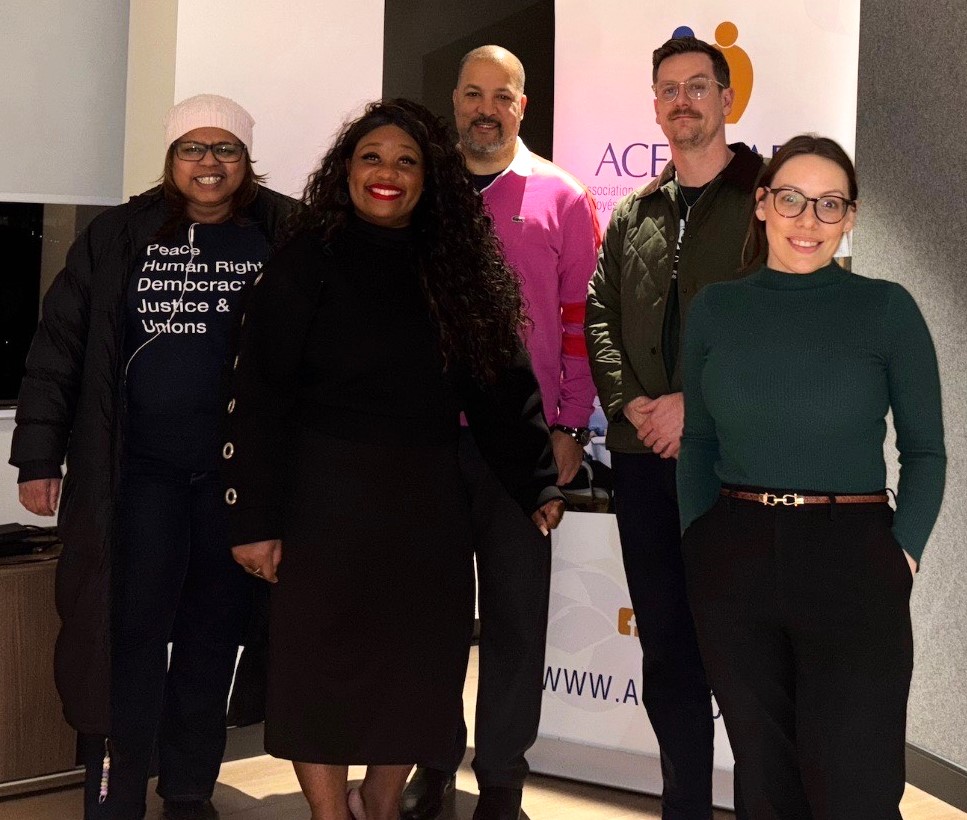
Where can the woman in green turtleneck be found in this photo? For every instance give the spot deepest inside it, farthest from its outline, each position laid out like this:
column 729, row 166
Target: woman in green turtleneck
column 799, row 572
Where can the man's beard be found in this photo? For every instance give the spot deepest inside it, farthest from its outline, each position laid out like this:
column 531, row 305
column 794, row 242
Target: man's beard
column 696, row 133
column 482, row 149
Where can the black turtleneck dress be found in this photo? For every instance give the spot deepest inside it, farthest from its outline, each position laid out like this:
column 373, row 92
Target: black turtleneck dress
column 342, row 442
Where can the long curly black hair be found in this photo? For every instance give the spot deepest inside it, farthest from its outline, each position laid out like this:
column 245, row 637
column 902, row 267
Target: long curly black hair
column 473, row 296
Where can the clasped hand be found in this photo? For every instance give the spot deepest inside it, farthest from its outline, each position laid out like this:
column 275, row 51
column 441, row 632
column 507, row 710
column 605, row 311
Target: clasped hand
column 658, row 422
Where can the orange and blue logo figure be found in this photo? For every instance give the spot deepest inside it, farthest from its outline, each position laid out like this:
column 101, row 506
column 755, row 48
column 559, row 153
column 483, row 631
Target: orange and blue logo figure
column 740, row 64
column 740, row 67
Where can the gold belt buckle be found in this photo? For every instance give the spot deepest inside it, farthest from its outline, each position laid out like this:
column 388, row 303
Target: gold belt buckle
column 787, row 500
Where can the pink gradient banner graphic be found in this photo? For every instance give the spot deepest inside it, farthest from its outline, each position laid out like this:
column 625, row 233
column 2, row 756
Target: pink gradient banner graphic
column 793, row 66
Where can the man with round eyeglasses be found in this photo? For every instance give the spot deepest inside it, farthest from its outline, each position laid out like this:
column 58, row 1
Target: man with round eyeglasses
column 666, row 242
column 696, row 88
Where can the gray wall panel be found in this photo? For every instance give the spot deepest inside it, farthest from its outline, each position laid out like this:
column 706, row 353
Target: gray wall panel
column 912, row 228
column 63, row 66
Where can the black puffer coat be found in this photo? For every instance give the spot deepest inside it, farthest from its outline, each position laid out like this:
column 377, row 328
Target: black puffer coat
column 71, row 404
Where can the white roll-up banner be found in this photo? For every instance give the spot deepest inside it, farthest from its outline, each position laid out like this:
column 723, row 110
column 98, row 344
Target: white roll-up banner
column 794, row 70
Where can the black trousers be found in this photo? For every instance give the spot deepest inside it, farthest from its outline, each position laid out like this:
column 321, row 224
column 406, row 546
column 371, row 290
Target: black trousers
column 513, row 577
column 674, row 687
column 804, row 623
column 174, row 580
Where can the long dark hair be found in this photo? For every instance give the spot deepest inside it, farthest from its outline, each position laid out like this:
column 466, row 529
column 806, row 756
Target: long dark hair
column 177, row 205
column 473, row 296
column 755, row 251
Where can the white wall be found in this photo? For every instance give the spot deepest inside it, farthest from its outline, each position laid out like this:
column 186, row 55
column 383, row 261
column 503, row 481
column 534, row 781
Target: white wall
column 300, row 68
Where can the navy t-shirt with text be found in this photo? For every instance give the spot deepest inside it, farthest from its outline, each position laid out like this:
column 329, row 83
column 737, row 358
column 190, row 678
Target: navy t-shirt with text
column 183, row 309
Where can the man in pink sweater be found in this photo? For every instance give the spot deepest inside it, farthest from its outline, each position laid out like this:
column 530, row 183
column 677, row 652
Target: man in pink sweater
column 547, row 223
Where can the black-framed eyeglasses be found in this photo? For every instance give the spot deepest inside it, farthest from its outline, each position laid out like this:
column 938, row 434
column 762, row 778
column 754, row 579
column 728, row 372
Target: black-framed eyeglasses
column 697, row 88
column 790, row 203
column 222, row 151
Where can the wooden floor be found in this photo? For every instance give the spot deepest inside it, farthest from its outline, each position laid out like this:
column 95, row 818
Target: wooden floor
column 259, row 787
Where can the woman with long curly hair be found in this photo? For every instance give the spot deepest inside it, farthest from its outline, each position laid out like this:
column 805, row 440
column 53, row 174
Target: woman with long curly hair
column 389, row 312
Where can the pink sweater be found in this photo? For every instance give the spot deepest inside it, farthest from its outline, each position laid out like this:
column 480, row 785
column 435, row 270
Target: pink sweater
column 547, row 222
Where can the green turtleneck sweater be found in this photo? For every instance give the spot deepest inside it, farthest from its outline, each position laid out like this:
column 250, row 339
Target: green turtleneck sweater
column 788, row 379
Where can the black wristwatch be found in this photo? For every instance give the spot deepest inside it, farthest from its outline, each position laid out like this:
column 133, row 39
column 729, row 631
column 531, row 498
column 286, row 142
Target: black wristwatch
column 582, row 435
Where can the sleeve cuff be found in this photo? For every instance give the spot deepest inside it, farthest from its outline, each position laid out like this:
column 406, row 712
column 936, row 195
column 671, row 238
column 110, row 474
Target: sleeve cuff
column 247, row 526
column 36, row 470
column 551, row 493
column 573, row 418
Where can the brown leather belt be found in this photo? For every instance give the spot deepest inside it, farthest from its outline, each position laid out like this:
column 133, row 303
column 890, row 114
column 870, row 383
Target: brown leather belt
column 796, row 500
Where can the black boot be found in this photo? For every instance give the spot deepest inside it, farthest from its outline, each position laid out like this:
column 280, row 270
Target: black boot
column 424, row 795
column 189, row 810
column 498, row 803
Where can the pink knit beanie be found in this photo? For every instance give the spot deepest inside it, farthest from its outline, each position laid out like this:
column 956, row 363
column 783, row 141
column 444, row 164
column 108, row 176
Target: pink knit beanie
column 209, row 111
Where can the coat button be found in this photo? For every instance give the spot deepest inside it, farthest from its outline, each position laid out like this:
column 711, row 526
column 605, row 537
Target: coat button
column 231, row 496
column 231, row 406
column 228, row 450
